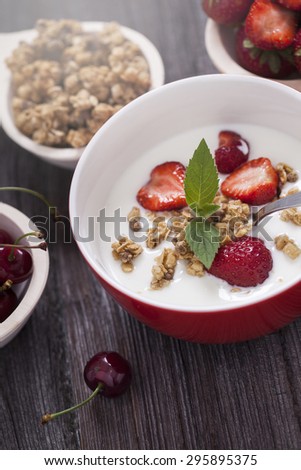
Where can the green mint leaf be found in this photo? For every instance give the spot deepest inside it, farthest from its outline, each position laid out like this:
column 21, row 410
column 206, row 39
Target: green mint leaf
column 207, row 210
column 201, row 181
column 203, row 239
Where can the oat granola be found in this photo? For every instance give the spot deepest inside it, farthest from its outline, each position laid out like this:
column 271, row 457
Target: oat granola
column 68, row 82
column 288, row 246
column 164, row 269
column 125, row 250
column 286, row 173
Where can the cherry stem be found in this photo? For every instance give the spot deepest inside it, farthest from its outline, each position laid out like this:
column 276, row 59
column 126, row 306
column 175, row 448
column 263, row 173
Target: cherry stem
column 17, row 241
column 48, row 417
column 41, row 246
column 52, row 209
column 7, row 285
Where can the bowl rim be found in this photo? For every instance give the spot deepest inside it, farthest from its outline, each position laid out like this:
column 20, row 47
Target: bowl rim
column 75, row 185
column 68, row 157
column 10, row 327
column 223, row 61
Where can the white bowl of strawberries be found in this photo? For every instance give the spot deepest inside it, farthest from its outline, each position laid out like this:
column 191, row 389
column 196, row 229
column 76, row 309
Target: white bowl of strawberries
column 260, row 37
column 23, row 271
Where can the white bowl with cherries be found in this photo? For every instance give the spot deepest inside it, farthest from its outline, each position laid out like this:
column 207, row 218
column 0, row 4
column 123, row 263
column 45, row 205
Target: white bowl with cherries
column 162, row 214
column 24, row 270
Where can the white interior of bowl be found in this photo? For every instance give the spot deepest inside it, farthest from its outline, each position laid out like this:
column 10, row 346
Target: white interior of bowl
column 160, row 115
column 66, row 157
column 219, row 41
column 17, row 223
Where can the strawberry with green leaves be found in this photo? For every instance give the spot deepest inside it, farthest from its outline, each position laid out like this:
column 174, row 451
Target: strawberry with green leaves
column 269, row 64
column 270, row 26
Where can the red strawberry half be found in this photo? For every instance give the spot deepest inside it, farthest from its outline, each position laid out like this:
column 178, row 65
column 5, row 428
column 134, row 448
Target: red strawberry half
column 244, row 263
column 165, row 189
column 255, row 182
column 232, row 152
column 226, row 11
column 290, row 4
column 270, row 26
column 270, row 64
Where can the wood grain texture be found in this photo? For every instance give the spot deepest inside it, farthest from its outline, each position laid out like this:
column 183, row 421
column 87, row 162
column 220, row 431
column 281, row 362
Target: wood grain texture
column 184, row 396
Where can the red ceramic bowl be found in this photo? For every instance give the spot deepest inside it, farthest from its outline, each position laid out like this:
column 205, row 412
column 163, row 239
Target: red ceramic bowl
column 175, row 110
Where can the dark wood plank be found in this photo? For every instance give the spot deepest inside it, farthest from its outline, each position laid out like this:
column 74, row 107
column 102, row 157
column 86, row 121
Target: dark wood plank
column 184, row 396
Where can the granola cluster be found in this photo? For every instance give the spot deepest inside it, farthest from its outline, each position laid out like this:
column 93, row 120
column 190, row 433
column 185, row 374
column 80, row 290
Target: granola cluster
column 288, row 246
column 164, row 269
column 68, row 82
column 232, row 219
column 125, row 250
column 286, row 173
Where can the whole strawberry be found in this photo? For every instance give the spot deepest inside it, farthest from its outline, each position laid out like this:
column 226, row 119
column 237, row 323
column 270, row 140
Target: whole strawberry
column 244, row 263
column 226, row 11
column 269, row 64
column 270, row 26
column 297, row 50
column 232, row 152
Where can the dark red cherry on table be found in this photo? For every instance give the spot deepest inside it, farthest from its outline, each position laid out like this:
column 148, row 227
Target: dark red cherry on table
column 110, row 369
column 8, row 303
column 107, row 373
column 16, row 266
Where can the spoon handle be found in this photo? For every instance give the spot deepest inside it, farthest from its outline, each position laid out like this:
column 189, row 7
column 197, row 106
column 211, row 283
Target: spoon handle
column 294, row 200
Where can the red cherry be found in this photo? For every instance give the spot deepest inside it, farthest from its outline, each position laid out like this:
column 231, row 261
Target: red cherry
column 17, row 268
column 111, row 370
column 8, row 303
column 107, row 373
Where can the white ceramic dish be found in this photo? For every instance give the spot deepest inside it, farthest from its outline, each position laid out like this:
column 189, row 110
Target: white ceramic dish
column 219, row 41
column 16, row 223
column 69, row 157
column 177, row 110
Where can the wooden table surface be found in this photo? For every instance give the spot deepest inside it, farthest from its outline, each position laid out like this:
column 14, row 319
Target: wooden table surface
column 183, row 396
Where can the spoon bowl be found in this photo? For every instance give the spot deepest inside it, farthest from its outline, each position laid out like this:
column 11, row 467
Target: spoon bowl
column 294, row 200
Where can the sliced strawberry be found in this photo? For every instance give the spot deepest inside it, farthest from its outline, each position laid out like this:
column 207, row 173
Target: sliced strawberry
column 270, row 26
column 226, row 11
column 245, row 262
column 255, row 182
column 290, row 4
column 297, row 50
column 233, row 151
column 165, row 189
column 270, row 64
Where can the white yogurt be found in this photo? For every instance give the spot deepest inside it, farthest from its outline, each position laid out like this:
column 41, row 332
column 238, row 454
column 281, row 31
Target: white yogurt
column 186, row 290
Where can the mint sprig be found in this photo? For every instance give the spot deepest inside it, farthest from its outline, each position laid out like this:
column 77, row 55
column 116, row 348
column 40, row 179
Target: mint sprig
column 201, row 185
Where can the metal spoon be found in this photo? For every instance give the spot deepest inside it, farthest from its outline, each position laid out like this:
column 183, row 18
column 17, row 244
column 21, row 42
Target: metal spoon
column 294, row 200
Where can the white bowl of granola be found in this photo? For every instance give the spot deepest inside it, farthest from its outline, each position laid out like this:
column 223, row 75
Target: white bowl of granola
column 158, row 284
column 67, row 78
